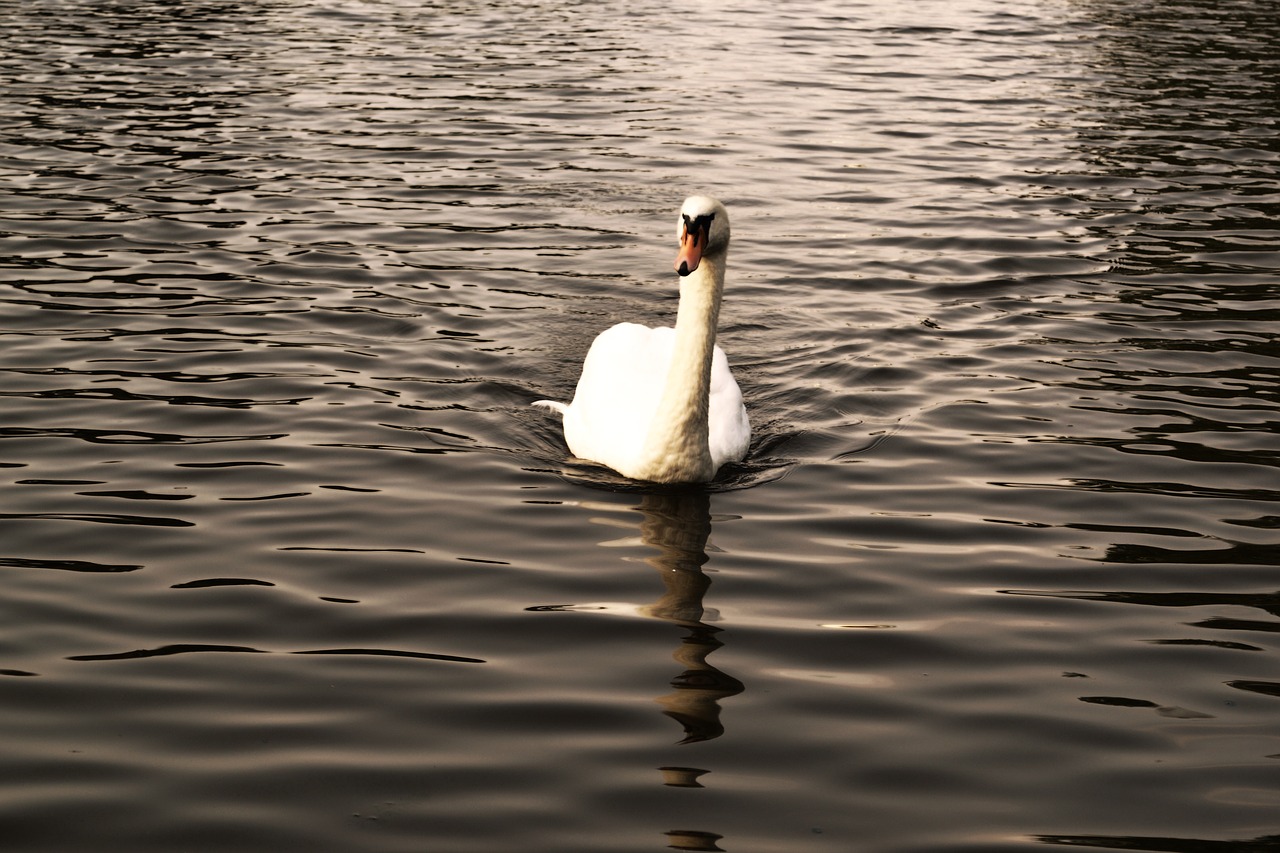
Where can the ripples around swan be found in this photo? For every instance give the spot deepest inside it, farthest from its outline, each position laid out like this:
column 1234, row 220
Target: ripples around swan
column 291, row 564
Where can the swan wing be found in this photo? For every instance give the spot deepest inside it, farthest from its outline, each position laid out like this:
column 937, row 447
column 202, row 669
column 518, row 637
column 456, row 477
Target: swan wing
column 618, row 393
column 728, row 429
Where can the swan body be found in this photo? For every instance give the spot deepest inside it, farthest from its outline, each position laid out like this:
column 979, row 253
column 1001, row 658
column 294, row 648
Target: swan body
column 661, row 404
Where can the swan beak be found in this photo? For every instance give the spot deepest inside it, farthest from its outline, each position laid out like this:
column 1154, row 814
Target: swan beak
column 690, row 249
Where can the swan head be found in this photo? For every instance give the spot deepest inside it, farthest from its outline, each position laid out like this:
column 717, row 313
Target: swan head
column 703, row 231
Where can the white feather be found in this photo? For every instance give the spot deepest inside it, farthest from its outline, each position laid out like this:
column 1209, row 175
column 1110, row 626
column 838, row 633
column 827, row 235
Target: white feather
column 634, row 413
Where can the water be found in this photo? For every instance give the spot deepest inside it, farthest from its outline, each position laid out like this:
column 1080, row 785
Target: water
column 290, row 564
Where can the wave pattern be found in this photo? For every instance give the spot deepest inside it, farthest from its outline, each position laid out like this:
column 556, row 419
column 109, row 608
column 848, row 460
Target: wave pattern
column 278, row 281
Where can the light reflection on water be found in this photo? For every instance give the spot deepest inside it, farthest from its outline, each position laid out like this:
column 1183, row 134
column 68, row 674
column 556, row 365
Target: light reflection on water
column 290, row 563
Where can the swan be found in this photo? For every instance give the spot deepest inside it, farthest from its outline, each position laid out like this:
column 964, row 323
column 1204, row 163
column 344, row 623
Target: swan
column 661, row 404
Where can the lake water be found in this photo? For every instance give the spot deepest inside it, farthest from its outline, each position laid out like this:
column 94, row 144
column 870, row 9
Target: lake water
column 290, row 564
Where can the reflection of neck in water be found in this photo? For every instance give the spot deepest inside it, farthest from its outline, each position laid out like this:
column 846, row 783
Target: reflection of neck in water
column 677, row 524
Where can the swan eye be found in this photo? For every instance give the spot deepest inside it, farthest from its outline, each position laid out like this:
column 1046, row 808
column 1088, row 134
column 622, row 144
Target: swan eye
column 698, row 227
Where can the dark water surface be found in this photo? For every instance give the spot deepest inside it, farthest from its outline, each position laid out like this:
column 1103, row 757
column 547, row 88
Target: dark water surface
column 289, row 564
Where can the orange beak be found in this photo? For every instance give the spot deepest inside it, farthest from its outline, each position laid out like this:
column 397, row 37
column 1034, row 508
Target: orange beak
column 690, row 250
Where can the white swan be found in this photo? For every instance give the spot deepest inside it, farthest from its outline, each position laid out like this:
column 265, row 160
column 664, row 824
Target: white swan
column 661, row 404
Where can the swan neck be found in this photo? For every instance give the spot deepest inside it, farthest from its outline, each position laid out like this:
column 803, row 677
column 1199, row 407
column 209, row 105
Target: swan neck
column 677, row 444
column 700, row 294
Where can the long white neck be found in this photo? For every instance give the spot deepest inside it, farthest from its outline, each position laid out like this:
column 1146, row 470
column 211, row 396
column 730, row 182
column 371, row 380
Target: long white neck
column 676, row 447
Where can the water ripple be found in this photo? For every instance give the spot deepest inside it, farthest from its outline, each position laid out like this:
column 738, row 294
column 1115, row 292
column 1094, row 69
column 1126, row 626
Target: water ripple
column 1002, row 303
column 189, row 648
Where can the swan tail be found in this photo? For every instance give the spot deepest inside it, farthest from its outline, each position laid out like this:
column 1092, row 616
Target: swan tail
column 552, row 405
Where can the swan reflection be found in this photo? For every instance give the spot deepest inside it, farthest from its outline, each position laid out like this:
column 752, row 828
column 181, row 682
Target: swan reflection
column 676, row 525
